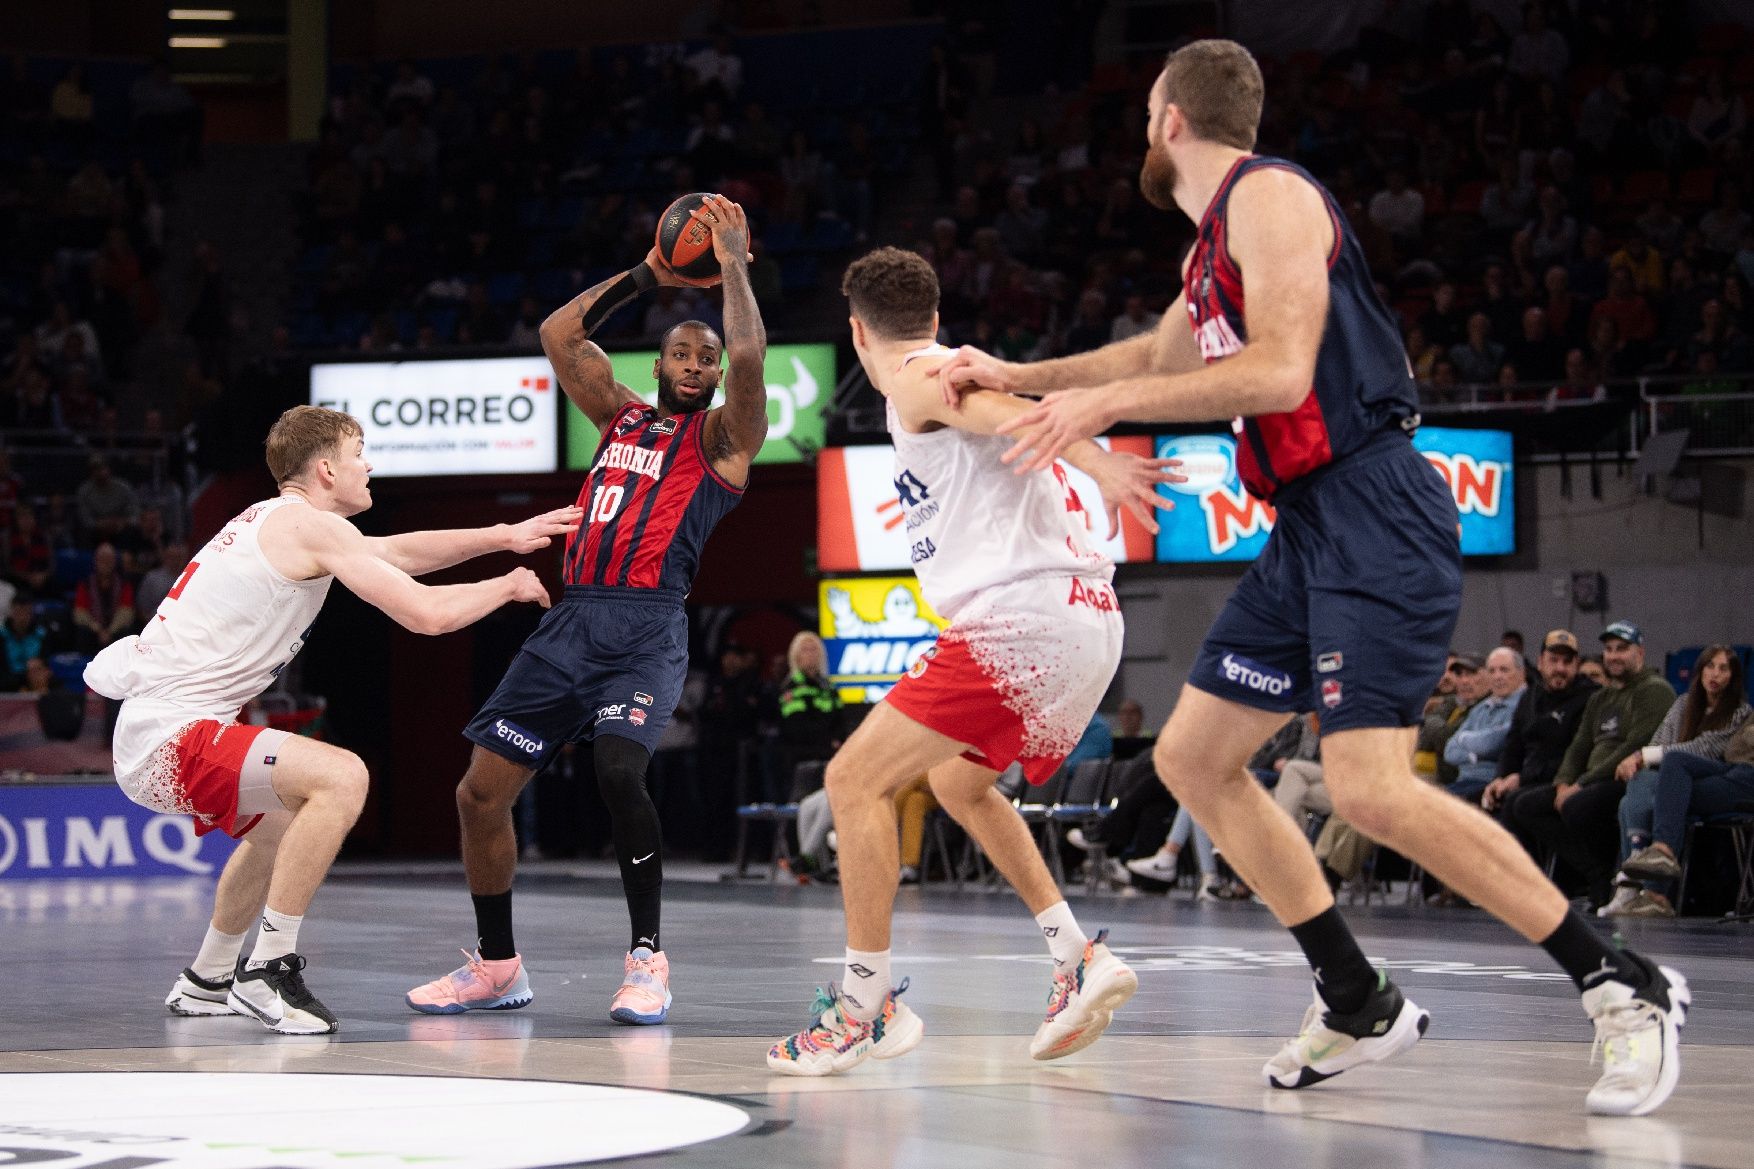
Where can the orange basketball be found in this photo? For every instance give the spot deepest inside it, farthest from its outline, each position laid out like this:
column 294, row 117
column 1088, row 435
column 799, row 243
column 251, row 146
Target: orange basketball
column 685, row 240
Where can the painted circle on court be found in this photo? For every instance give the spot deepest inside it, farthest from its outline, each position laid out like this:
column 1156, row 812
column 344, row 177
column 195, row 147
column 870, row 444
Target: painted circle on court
column 242, row 1120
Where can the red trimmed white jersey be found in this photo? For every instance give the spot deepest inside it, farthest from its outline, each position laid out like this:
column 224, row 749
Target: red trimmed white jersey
column 221, row 636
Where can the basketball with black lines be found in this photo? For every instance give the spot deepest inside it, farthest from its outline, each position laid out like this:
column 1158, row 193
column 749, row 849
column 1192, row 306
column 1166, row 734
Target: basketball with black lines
column 685, row 240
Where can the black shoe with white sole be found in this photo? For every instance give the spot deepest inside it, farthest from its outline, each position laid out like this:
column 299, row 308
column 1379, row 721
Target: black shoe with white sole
column 193, row 995
column 1329, row 1043
column 276, row 994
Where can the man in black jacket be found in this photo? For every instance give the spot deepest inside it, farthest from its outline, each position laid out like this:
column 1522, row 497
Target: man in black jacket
column 1546, row 721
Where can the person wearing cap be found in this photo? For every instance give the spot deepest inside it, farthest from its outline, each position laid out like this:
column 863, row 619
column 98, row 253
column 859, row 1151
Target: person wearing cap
column 1582, row 822
column 1474, row 747
column 1443, row 713
column 1545, row 722
column 1681, row 772
column 1468, row 671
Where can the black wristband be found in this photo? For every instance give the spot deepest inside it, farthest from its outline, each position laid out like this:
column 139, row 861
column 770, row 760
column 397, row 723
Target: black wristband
column 634, row 281
column 644, row 279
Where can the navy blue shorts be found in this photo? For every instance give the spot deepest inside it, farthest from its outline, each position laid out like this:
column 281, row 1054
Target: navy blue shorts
column 1350, row 608
column 603, row 661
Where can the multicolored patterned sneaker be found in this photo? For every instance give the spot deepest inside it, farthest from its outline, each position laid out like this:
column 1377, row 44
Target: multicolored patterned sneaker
column 479, row 984
column 836, row 1041
column 643, row 998
column 1083, row 1001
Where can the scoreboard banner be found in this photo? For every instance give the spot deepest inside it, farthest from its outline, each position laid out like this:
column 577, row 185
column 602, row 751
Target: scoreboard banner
column 859, row 524
column 876, row 628
column 800, row 382
column 1218, row 520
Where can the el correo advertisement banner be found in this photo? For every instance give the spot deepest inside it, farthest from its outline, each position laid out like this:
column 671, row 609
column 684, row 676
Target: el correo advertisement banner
column 96, row 831
column 1218, row 520
column 800, row 380
column 492, row 416
column 876, row 628
column 859, row 524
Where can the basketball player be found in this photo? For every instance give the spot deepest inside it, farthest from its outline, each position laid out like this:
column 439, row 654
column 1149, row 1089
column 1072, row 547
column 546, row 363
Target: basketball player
column 607, row 664
column 242, row 608
column 1033, row 640
column 1353, row 600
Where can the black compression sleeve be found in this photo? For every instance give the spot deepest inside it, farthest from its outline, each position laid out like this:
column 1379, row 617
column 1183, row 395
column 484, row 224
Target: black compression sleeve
column 637, row 279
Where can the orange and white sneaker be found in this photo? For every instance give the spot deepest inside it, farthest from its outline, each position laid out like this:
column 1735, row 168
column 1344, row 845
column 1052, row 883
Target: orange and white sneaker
column 836, row 1041
column 644, row 994
column 1082, row 1002
column 477, row 985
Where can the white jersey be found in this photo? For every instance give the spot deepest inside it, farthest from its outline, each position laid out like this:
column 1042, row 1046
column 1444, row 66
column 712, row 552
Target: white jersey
column 220, row 637
column 973, row 524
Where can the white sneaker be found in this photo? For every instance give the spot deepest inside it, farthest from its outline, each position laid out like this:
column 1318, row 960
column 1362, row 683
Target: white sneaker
column 1077, row 840
column 1208, row 891
column 1638, row 1032
column 1082, row 1002
column 1158, row 866
column 1329, row 1043
column 276, row 994
column 1116, row 873
column 1624, row 894
column 193, row 995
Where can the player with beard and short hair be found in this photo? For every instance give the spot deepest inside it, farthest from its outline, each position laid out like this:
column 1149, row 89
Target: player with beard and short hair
column 608, row 663
column 1355, row 596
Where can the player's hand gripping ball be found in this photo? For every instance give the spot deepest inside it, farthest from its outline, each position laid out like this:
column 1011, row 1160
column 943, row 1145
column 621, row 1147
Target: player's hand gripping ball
column 685, row 242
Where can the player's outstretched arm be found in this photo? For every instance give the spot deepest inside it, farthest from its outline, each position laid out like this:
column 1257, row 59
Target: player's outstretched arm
column 582, row 367
column 328, row 544
column 418, row 553
column 736, row 430
column 970, row 368
column 1280, row 237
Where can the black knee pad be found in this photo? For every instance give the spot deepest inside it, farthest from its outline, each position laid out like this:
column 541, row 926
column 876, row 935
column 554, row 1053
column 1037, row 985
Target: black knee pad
column 621, row 773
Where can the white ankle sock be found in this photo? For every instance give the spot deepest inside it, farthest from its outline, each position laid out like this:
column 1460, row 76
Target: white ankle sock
column 864, row 983
column 277, row 939
column 218, row 956
column 1065, row 940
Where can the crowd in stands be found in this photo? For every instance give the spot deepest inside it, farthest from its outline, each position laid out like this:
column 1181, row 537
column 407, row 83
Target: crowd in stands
column 1546, row 208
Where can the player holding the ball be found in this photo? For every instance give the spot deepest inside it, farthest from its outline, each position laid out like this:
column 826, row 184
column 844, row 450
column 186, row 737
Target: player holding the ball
column 608, row 661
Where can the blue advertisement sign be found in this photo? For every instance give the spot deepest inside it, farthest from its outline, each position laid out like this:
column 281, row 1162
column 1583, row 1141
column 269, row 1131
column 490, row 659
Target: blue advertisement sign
column 1216, row 519
column 93, row 830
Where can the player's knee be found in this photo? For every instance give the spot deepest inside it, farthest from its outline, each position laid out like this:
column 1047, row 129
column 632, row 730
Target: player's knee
column 842, row 780
column 348, row 781
column 476, row 799
column 1379, row 808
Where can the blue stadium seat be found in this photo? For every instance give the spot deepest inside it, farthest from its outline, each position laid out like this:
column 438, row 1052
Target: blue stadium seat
column 69, row 668
column 72, row 565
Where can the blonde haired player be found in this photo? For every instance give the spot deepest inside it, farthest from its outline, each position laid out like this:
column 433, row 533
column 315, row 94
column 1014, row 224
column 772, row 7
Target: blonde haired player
column 1033, row 641
column 236, row 617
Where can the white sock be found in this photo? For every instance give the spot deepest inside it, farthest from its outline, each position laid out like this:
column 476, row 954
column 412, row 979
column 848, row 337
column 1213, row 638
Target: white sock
column 864, row 983
column 1065, row 940
column 218, row 956
column 277, row 939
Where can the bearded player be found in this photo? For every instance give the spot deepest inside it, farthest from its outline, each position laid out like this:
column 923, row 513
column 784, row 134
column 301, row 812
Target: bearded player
column 608, row 662
column 1354, row 598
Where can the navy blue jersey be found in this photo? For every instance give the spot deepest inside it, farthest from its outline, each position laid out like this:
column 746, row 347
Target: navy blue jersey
column 1362, row 381
column 650, row 501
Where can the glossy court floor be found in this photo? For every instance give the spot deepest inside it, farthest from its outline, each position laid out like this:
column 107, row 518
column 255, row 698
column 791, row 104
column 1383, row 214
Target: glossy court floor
column 1500, row 1079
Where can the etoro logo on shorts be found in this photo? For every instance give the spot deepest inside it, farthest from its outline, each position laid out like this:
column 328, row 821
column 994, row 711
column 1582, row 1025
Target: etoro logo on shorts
column 517, row 736
column 1254, row 675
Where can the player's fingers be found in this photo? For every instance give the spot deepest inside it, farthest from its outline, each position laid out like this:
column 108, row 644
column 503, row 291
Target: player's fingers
column 1162, row 502
column 1142, row 513
column 1114, row 519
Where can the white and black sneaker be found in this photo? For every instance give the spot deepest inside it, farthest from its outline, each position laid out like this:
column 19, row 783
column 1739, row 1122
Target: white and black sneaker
column 1329, row 1043
column 276, row 994
column 193, row 995
column 1638, row 1032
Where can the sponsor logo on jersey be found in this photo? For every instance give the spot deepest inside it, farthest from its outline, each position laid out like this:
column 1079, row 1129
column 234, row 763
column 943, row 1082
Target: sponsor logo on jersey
column 621, row 456
column 1217, row 339
column 614, row 712
column 921, row 662
column 642, row 698
column 1093, row 595
column 1331, row 692
column 1329, row 663
column 664, row 426
column 923, row 550
column 518, row 737
column 1253, row 675
column 636, row 716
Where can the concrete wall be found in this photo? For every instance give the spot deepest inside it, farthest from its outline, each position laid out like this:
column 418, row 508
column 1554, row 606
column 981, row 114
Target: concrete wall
column 1647, row 548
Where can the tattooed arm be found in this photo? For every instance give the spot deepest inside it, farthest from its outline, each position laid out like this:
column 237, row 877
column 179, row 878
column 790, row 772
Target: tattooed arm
column 582, row 367
column 736, row 430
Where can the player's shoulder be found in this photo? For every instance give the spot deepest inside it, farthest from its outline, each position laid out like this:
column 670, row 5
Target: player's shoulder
column 309, row 526
column 1275, row 185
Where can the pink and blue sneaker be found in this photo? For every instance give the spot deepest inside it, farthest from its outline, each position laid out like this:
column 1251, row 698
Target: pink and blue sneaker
column 478, row 985
column 643, row 997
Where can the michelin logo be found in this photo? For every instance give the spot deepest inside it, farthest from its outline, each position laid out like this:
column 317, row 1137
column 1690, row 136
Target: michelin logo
column 518, row 737
column 1255, row 676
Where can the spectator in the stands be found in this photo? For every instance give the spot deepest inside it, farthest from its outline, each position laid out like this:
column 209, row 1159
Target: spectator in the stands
column 157, row 582
column 1541, row 731
column 1474, row 747
column 1581, row 821
column 718, row 70
column 1457, row 689
column 1626, row 308
column 1537, row 355
column 142, row 544
column 103, row 605
column 1129, row 722
column 1477, row 359
column 1718, row 115
column 22, row 637
column 1680, row 773
column 107, row 504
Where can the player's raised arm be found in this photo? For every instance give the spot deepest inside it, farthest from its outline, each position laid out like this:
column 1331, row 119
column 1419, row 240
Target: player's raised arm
column 418, row 553
column 1280, row 238
column 582, row 367
column 326, row 544
column 736, row 430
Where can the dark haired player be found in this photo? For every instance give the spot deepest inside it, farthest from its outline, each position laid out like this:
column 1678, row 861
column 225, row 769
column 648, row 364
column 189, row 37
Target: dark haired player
column 608, row 662
column 1352, row 602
